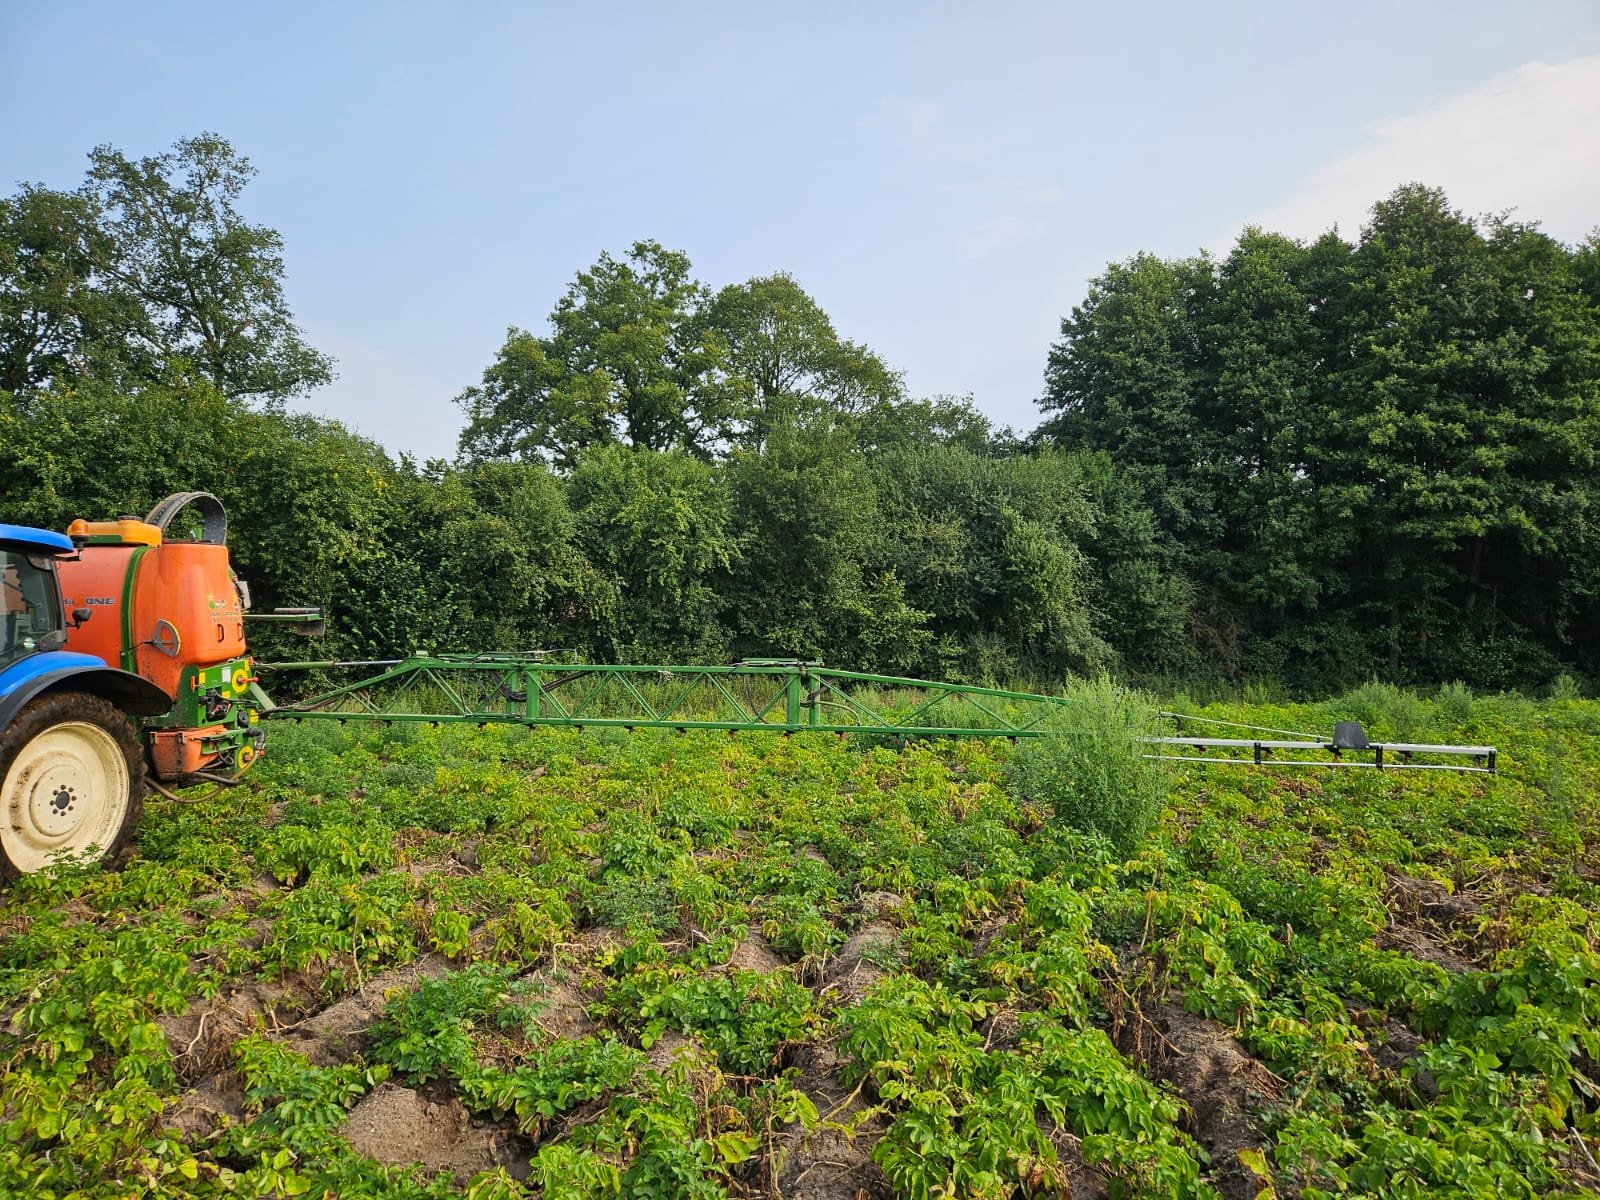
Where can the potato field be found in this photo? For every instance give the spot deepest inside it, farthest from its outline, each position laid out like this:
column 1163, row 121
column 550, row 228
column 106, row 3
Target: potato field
column 421, row 962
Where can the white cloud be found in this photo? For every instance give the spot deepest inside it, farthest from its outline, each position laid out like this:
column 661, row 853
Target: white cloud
column 1015, row 193
column 998, row 233
column 915, row 120
column 1528, row 139
column 1008, row 228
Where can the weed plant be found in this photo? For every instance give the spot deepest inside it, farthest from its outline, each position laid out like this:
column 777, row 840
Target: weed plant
column 1094, row 768
column 1455, row 704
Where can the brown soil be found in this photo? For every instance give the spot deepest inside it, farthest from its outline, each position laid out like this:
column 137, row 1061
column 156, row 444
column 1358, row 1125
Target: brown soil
column 754, row 954
column 1083, row 1182
column 1413, row 899
column 1219, row 1081
column 1578, row 1163
column 830, row 1164
column 879, row 905
column 1421, row 914
column 398, row 1127
column 562, row 1009
column 1420, row 944
column 1394, row 1048
column 601, row 939
column 834, row 1160
column 850, row 976
column 988, row 932
column 1002, row 1029
column 217, row 1098
column 201, row 1037
column 338, row 1033
column 666, row 1049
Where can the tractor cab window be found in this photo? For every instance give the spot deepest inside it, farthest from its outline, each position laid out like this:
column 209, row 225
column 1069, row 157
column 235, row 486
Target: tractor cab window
column 30, row 604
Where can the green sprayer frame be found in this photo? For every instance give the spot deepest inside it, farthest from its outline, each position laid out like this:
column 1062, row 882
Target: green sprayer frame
column 768, row 695
column 781, row 696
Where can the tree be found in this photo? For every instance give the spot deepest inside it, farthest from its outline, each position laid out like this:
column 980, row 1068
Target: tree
column 1127, row 378
column 813, row 577
column 991, row 548
column 938, row 420
column 208, row 286
column 1586, row 267
column 1467, row 423
column 658, row 524
column 1367, row 457
column 56, row 320
column 1139, row 603
column 1262, row 374
column 793, row 367
column 626, row 360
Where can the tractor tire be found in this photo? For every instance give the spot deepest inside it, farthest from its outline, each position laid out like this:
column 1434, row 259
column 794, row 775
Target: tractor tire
column 71, row 781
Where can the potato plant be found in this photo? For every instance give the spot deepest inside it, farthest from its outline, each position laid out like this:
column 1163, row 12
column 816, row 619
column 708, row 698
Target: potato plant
column 700, row 965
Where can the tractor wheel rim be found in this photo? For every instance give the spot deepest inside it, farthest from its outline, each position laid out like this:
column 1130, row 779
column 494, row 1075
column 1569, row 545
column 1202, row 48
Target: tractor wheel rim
column 67, row 790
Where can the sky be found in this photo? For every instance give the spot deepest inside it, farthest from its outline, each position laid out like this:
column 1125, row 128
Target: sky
column 944, row 179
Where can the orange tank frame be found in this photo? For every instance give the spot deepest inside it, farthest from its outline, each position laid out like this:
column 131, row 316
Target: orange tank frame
column 171, row 611
column 158, row 606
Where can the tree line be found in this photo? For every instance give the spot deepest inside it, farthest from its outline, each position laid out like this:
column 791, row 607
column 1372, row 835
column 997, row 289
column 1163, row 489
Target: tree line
column 1368, row 457
column 1314, row 462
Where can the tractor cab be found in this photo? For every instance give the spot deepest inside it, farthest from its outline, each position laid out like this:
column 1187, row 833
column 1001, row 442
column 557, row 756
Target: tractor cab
column 31, row 617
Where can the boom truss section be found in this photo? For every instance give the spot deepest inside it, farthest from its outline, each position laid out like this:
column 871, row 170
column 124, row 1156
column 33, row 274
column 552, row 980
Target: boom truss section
column 760, row 695
column 788, row 696
column 1348, row 747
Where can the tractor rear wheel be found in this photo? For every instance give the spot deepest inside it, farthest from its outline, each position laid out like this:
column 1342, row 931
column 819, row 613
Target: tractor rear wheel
column 71, row 782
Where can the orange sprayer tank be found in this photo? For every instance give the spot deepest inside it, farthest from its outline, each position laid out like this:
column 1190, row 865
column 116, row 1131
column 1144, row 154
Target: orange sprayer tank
column 171, row 611
column 159, row 606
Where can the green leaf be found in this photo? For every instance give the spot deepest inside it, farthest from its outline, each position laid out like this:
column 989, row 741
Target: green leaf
column 734, row 1147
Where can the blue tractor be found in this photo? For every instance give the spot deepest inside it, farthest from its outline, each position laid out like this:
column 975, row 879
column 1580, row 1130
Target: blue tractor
column 72, row 754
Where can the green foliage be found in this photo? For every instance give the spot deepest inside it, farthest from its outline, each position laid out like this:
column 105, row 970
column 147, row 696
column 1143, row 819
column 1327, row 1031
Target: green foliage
column 1310, row 462
column 146, row 274
column 1455, row 703
column 210, row 284
column 1565, row 687
column 300, row 1104
column 1290, row 408
column 989, row 1022
column 51, row 305
column 1092, row 768
column 557, row 1081
column 813, row 578
column 625, row 361
column 791, row 366
column 659, row 525
column 993, row 545
column 1299, row 464
column 970, row 1123
column 744, row 1016
column 427, row 1032
column 1389, row 713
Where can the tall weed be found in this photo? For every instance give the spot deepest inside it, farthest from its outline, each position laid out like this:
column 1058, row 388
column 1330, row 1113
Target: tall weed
column 1389, row 713
column 1092, row 766
column 1565, row 687
column 1454, row 704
